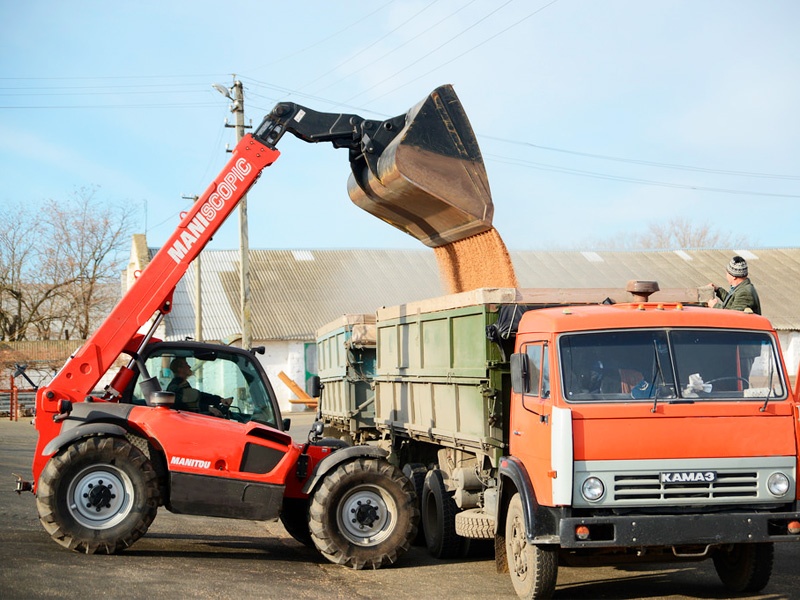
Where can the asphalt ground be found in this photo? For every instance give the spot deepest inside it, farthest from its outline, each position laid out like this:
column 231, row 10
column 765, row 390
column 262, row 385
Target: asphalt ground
column 196, row 557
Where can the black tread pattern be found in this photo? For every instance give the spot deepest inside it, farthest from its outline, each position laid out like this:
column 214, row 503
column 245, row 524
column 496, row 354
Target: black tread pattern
column 475, row 524
column 52, row 489
column 438, row 516
column 324, row 507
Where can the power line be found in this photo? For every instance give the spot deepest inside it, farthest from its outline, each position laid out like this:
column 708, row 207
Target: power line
column 94, row 106
column 439, row 47
column 367, row 47
column 648, row 163
column 110, row 77
column 556, row 169
column 323, row 40
column 124, row 90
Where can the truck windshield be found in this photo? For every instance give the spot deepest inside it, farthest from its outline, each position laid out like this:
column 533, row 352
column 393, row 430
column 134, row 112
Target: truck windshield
column 670, row 364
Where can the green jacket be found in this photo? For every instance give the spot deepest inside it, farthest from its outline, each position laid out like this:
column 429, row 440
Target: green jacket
column 741, row 297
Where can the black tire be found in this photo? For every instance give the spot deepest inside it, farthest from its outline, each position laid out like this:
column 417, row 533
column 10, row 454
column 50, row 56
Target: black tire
column 745, row 567
column 474, row 524
column 416, row 474
column 294, row 516
column 98, row 495
column 439, row 519
column 363, row 514
column 533, row 569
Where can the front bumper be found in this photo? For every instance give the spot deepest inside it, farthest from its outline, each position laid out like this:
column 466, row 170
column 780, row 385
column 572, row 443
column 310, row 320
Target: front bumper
column 633, row 531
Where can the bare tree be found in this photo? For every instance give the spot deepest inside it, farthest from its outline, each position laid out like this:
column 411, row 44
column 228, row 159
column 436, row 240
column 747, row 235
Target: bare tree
column 87, row 252
column 59, row 266
column 25, row 297
column 678, row 232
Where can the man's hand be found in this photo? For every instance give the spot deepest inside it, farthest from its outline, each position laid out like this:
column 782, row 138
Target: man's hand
column 714, row 298
column 224, row 405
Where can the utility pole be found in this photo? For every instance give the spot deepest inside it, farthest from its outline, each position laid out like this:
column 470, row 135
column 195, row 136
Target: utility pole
column 237, row 108
column 198, row 302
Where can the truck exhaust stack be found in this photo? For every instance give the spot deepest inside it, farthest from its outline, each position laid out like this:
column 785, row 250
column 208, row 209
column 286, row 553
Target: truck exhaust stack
column 429, row 180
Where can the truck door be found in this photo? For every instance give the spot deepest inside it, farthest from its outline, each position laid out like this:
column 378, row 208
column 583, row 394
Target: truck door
column 531, row 415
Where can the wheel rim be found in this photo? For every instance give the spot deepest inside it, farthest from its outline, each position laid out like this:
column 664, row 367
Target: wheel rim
column 365, row 515
column 518, row 548
column 99, row 497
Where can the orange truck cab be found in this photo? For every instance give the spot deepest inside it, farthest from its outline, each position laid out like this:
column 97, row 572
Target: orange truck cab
column 683, row 412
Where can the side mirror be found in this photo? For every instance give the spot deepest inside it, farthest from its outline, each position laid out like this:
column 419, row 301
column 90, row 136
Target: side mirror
column 315, row 386
column 150, row 386
column 287, row 423
column 316, row 431
column 519, row 373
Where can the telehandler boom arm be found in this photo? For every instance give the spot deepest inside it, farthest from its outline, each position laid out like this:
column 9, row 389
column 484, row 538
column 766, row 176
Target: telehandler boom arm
column 421, row 172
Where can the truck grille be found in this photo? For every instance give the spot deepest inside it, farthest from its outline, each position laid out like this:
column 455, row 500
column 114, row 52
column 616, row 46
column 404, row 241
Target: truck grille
column 655, row 483
column 648, row 488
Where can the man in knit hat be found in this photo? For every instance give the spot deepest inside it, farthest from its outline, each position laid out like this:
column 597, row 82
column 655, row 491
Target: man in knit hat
column 742, row 294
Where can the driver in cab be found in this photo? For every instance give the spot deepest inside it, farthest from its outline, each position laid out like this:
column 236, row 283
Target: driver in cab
column 191, row 399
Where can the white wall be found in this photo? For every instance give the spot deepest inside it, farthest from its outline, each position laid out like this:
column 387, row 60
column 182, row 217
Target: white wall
column 288, row 357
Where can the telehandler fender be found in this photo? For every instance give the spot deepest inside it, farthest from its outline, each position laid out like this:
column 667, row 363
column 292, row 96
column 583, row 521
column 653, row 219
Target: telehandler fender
column 82, row 431
column 329, row 463
column 90, row 419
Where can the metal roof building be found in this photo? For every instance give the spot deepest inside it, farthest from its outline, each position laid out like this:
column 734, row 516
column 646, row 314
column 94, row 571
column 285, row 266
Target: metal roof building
column 295, row 291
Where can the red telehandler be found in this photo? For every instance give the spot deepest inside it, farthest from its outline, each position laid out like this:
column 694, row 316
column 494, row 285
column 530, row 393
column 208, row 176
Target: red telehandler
column 105, row 461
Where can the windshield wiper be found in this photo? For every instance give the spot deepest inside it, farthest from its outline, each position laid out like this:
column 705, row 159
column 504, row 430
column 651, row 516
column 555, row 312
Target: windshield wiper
column 658, row 371
column 769, row 389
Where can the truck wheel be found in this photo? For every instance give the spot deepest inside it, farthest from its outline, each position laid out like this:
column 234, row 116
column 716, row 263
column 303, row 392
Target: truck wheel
column 294, row 516
column 416, row 474
column 745, row 567
column 363, row 514
column 97, row 495
column 533, row 569
column 439, row 519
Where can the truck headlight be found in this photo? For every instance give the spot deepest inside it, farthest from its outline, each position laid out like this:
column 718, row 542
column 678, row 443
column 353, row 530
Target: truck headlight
column 778, row 484
column 593, row 489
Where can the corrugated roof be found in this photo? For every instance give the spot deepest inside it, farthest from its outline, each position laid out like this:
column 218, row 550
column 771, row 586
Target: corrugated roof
column 294, row 292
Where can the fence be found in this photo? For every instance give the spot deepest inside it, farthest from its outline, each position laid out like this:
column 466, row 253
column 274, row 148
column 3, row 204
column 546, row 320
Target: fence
column 16, row 402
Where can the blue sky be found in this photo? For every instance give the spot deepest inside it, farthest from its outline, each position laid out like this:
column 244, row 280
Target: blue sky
column 595, row 118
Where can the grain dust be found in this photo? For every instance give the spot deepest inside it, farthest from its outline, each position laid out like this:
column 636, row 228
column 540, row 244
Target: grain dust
column 475, row 262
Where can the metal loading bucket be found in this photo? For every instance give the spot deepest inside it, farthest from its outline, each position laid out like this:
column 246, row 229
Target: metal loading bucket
column 430, row 180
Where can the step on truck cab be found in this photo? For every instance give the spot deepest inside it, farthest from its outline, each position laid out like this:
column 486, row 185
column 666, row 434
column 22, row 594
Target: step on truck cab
column 607, row 430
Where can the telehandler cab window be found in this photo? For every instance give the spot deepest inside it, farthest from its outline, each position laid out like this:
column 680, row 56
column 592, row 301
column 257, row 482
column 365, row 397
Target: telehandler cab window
column 655, row 365
column 211, row 383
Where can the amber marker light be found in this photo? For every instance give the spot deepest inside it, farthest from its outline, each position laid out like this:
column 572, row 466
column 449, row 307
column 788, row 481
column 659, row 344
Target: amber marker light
column 582, row 532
